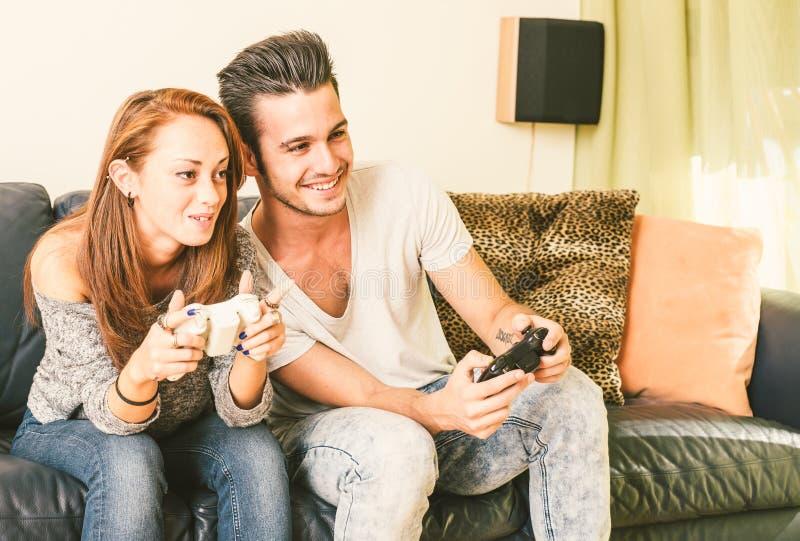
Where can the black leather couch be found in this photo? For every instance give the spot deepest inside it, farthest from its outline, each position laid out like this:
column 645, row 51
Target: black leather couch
column 678, row 471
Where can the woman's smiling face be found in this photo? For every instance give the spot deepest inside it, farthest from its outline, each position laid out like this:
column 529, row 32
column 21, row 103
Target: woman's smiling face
column 182, row 185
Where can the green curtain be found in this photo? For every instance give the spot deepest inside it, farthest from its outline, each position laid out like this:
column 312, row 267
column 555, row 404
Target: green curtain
column 643, row 140
column 701, row 114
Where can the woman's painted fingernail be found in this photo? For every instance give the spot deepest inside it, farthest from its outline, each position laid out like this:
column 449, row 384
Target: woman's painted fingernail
column 242, row 335
column 191, row 311
column 239, row 347
column 246, row 352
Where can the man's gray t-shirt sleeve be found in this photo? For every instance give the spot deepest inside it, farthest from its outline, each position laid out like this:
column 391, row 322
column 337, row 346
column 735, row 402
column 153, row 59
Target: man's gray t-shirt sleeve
column 297, row 343
column 444, row 239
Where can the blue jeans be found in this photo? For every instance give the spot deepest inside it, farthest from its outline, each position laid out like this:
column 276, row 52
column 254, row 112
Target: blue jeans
column 127, row 476
column 378, row 468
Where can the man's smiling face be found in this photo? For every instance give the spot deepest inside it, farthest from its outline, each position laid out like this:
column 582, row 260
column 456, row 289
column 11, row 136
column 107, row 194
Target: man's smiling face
column 305, row 150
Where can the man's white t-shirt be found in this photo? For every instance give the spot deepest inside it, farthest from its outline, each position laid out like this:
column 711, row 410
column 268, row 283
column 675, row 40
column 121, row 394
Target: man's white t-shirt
column 401, row 224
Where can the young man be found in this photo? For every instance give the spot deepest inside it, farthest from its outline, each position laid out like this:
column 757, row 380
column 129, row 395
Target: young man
column 370, row 406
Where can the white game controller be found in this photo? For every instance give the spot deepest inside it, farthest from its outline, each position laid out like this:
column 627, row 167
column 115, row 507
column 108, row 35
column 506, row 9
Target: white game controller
column 221, row 323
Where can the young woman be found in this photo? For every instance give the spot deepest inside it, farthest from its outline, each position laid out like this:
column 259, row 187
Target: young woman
column 111, row 283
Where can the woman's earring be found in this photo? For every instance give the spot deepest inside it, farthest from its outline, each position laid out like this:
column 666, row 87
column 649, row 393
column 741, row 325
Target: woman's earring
column 130, row 200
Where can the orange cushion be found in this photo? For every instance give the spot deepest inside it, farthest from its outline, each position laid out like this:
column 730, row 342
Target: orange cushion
column 693, row 309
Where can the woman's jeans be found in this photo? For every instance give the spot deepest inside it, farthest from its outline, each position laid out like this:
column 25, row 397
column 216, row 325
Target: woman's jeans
column 378, row 468
column 127, row 476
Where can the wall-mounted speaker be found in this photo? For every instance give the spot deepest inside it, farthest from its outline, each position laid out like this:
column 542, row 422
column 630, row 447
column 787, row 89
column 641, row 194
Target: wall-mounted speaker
column 550, row 70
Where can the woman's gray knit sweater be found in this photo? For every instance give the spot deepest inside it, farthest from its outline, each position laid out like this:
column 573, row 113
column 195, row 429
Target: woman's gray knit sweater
column 76, row 372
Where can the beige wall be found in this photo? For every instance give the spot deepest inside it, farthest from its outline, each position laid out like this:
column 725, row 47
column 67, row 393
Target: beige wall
column 417, row 78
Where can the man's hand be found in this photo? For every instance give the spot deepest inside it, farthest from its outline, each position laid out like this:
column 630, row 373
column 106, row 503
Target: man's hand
column 498, row 320
column 474, row 408
column 552, row 367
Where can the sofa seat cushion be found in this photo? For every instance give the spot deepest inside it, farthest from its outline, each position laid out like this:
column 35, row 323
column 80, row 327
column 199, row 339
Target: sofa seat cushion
column 37, row 502
column 6, row 435
column 770, row 525
column 675, row 461
column 203, row 505
column 496, row 514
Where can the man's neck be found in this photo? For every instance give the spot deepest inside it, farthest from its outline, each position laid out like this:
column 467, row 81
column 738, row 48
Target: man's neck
column 281, row 228
column 312, row 250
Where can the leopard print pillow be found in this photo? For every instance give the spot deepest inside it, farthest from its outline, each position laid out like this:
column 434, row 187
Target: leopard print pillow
column 567, row 256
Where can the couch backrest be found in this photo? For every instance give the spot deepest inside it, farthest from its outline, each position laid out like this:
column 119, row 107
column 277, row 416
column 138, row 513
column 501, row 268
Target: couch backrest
column 69, row 202
column 25, row 213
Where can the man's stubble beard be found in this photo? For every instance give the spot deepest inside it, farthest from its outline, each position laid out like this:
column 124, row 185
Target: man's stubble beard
column 288, row 204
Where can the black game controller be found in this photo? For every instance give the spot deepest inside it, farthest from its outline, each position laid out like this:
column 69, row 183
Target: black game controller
column 524, row 355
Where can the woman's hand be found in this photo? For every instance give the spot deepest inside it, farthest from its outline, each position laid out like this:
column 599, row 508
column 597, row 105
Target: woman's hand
column 259, row 340
column 265, row 337
column 165, row 353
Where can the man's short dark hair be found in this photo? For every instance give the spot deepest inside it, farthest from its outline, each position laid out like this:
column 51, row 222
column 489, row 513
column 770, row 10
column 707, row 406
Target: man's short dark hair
column 279, row 65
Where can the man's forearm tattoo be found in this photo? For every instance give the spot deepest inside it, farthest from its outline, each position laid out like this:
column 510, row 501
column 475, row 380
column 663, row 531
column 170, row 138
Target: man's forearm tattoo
column 505, row 336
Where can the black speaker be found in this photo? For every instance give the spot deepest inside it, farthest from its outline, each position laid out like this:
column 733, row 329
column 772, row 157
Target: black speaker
column 550, row 70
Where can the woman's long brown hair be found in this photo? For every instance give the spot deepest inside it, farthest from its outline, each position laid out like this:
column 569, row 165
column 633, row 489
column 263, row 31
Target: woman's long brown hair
column 109, row 257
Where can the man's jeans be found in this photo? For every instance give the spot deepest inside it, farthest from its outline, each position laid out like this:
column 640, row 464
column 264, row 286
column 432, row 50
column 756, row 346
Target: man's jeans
column 378, row 468
column 126, row 476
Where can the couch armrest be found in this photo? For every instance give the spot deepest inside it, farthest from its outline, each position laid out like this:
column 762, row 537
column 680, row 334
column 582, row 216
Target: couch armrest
column 776, row 373
column 25, row 213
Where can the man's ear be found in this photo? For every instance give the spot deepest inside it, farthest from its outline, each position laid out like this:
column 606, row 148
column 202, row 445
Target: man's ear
column 124, row 178
column 250, row 163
